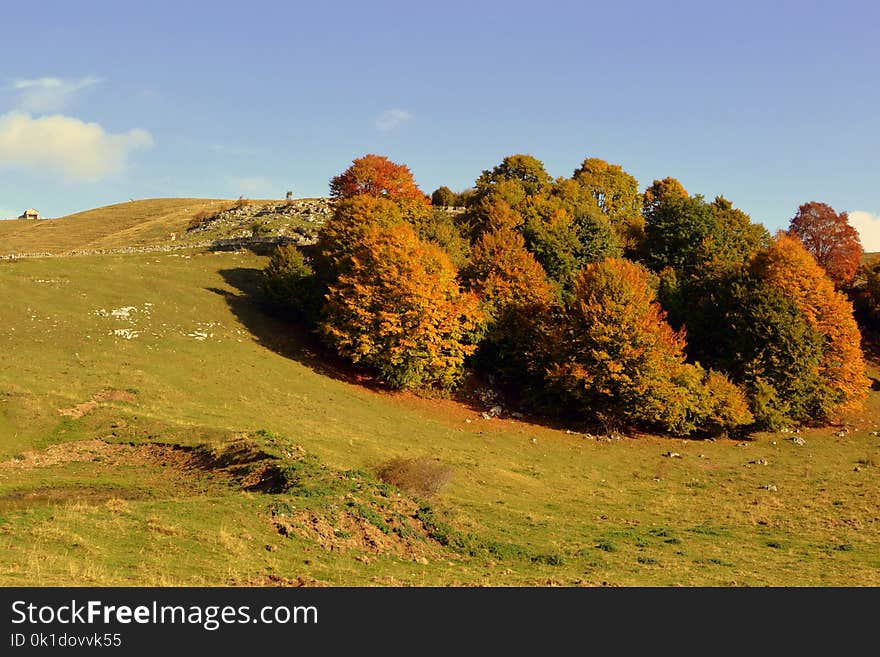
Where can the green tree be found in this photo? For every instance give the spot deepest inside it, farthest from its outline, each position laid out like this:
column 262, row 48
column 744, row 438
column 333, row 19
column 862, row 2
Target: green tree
column 443, row 196
column 290, row 284
column 754, row 333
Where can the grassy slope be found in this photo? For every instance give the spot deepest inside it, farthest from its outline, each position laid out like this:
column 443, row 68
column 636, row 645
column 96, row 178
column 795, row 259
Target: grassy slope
column 123, row 224
column 617, row 512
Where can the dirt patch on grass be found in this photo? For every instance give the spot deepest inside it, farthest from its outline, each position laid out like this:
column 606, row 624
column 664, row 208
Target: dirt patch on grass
column 105, row 453
column 364, row 528
column 106, row 395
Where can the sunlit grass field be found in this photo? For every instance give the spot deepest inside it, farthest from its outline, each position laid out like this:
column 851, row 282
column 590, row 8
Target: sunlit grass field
column 118, row 370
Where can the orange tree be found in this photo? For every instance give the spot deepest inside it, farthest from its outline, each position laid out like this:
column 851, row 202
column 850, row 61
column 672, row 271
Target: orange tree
column 516, row 297
column 376, row 175
column 618, row 360
column 396, row 306
column 789, row 267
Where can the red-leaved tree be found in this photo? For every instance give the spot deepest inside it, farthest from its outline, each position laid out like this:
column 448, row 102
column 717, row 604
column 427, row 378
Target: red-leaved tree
column 830, row 238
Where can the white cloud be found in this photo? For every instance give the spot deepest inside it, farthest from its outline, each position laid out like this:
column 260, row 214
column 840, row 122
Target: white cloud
column 77, row 150
column 392, row 118
column 44, row 95
column 868, row 226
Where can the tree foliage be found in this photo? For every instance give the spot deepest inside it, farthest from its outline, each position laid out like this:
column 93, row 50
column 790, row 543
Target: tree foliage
column 438, row 227
column 443, row 197
column 397, row 308
column 289, row 282
column 377, row 176
column 618, row 359
column 524, row 169
column 675, row 232
column 754, row 333
column 830, row 238
column 788, row 266
column 659, row 191
column 516, row 297
column 345, row 230
column 698, row 239
column 616, row 194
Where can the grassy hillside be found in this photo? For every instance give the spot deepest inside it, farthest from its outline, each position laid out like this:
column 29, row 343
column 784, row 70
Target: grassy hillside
column 157, row 427
column 123, row 224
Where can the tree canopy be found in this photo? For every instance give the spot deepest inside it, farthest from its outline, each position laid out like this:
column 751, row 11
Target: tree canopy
column 830, row 238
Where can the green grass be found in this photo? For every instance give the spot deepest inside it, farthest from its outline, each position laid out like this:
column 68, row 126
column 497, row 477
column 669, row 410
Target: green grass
column 207, row 366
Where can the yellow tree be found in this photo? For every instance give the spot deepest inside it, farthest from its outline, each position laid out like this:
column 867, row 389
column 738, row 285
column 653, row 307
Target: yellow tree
column 396, row 307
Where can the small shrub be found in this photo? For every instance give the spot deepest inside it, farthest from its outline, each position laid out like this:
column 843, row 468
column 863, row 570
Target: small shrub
column 420, row 476
column 606, row 546
column 551, row 559
column 290, row 284
column 259, row 229
column 202, row 219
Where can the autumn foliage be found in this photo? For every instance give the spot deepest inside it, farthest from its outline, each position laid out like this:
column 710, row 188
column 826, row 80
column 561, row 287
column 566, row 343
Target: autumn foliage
column 582, row 297
column 790, row 268
column 618, row 359
column 377, row 176
column 516, row 296
column 397, row 308
column 830, row 238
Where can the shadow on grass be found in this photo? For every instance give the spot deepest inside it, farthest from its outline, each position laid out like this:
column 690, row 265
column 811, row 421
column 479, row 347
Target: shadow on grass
column 292, row 339
column 288, row 338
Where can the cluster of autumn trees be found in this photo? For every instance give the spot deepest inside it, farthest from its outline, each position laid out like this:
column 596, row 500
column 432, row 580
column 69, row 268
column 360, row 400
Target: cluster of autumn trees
column 586, row 296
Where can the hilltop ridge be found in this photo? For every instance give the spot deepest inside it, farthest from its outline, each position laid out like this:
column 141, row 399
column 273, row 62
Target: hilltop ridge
column 160, row 221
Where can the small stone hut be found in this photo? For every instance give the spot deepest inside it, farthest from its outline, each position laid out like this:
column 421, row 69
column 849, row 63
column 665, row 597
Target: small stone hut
column 30, row 213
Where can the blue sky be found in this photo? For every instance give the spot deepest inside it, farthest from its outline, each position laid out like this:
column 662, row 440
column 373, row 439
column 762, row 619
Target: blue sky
column 771, row 104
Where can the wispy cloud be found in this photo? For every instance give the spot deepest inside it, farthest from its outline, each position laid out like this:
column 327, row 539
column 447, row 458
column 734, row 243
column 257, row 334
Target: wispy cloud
column 868, row 226
column 43, row 95
column 76, row 150
column 391, row 119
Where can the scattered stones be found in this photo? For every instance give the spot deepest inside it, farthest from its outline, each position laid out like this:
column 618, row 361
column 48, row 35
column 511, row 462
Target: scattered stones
column 672, row 455
column 797, row 440
column 126, row 333
column 122, row 313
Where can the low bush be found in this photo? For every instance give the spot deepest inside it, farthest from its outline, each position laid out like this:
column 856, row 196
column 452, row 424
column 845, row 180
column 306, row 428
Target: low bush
column 422, row 477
